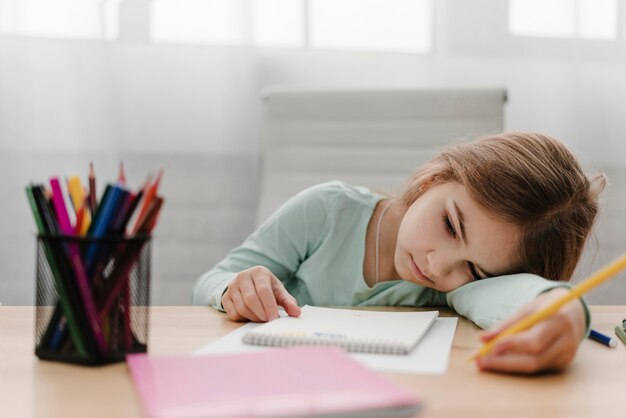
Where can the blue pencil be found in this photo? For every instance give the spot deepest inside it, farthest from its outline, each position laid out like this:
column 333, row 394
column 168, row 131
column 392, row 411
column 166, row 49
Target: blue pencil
column 603, row 339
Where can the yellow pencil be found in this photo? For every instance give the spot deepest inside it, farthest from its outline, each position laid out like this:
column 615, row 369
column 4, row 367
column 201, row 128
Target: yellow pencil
column 580, row 289
column 77, row 193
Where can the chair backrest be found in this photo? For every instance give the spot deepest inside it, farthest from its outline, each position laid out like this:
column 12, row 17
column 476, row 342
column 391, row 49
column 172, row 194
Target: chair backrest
column 374, row 138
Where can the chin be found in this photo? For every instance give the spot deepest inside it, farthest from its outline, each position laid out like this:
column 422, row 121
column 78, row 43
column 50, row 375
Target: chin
column 430, row 286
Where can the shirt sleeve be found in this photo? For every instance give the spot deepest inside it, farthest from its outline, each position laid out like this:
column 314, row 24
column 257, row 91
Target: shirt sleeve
column 488, row 301
column 280, row 244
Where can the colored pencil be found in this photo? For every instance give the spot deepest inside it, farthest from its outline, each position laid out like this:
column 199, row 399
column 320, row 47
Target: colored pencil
column 77, row 266
column 78, row 196
column 148, row 195
column 621, row 333
column 93, row 203
column 602, row 338
column 121, row 178
column 58, row 276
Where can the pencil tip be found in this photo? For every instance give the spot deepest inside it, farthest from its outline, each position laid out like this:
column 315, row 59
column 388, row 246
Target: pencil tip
column 148, row 178
column 157, row 180
column 122, row 173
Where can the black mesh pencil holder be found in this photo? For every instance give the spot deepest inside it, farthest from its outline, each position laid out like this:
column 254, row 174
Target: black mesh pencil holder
column 93, row 298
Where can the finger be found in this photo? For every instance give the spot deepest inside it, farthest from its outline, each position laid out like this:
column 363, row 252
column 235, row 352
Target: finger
column 284, row 299
column 551, row 358
column 541, row 339
column 532, row 341
column 263, row 287
column 229, row 307
column 252, row 301
column 546, row 344
column 241, row 308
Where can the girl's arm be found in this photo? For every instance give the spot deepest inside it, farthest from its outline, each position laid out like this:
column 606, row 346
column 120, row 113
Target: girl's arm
column 280, row 244
column 487, row 302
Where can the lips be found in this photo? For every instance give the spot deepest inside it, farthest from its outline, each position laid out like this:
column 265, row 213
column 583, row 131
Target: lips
column 418, row 273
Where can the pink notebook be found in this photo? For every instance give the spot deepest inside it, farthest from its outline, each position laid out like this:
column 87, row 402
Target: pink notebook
column 284, row 382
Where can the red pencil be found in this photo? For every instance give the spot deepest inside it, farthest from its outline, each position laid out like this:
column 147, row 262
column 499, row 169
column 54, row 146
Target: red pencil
column 128, row 256
column 121, row 179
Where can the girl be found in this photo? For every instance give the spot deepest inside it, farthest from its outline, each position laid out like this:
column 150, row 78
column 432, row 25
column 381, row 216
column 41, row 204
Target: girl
column 486, row 228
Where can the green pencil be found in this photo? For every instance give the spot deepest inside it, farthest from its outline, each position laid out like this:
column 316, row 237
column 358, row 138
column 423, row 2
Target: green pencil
column 56, row 273
column 619, row 331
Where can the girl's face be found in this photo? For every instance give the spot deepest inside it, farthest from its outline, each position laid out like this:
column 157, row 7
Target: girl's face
column 446, row 240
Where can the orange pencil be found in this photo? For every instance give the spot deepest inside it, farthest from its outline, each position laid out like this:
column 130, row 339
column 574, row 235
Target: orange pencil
column 80, row 214
column 147, row 200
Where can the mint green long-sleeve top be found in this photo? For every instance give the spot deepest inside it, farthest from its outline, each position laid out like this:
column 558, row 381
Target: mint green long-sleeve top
column 315, row 244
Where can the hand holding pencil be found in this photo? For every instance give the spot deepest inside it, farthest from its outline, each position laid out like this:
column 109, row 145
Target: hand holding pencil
column 545, row 333
column 550, row 344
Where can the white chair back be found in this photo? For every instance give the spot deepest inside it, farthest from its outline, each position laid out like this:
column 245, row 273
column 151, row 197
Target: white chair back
column 374, row 138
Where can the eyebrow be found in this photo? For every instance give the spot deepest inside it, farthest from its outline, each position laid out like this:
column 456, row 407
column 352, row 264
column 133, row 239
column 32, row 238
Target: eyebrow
column 460, row 218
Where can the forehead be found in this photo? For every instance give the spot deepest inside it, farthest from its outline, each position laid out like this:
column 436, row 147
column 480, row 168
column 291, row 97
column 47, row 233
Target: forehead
column 491, row 242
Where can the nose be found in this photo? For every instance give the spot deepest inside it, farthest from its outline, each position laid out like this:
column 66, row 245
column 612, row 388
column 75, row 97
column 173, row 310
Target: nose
column 440, row 263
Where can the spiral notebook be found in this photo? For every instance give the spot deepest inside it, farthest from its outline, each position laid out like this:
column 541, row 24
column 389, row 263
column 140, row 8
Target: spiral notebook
column 353, row 330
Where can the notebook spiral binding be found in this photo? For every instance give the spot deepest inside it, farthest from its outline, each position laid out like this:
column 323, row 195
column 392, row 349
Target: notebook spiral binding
column 372, row 346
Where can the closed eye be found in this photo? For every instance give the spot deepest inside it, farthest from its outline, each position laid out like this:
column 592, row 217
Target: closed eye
column 473, row 271
column 448, row 225
column 452, row 232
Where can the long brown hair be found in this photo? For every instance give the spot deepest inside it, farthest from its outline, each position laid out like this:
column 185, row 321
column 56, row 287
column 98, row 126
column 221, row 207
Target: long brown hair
column 529, row 180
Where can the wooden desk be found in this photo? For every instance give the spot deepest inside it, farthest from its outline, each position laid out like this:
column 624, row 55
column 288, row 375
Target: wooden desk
column 593, row 386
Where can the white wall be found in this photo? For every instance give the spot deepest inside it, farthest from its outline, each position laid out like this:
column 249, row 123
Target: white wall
column 106, row 96
column 77, row 100
column 91, row 95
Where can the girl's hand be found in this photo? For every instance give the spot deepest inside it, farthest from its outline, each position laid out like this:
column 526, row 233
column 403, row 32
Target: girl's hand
column 255, row 295
column 550, row 344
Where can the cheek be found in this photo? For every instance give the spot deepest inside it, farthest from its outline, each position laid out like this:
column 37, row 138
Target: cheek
column 408, row 232
column 431, row 228
column 457, row 281
column 419, row 233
